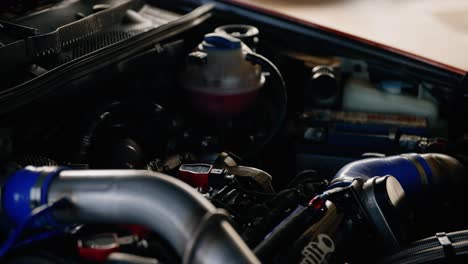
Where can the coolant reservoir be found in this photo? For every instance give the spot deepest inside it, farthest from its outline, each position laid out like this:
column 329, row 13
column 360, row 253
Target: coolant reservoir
column 219, row 80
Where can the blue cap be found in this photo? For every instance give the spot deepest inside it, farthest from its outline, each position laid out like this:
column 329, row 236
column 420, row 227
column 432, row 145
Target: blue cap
column 220, row 41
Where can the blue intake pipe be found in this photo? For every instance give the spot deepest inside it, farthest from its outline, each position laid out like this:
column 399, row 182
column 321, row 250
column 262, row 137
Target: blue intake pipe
column 415, row 172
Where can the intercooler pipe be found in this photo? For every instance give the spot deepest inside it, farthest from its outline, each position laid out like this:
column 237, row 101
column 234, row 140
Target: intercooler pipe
column 415, row 172
column 171, row 208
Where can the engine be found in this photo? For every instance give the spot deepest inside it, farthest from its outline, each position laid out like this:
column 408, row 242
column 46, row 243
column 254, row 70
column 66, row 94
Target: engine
column 172, row 133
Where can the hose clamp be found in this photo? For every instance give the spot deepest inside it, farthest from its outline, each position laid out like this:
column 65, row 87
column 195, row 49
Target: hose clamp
column 423, row 176
column 38, row 190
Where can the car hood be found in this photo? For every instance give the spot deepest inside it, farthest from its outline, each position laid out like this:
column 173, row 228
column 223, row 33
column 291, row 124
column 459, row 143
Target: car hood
column 432, row 31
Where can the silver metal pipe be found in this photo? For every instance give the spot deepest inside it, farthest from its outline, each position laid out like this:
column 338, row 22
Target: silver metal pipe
column 168, row 206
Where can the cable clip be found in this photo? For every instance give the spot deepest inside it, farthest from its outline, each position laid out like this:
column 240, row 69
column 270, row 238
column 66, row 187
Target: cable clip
column 446, row 244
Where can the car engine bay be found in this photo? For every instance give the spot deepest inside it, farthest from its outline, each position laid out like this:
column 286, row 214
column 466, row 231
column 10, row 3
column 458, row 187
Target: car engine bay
column 156, row 132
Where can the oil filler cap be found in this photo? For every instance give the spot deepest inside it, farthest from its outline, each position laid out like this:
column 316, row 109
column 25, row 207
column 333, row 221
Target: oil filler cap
column 389, row 193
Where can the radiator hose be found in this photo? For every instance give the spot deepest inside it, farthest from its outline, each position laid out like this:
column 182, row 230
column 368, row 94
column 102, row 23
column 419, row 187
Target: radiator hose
column 416, row 172
column 172, row 209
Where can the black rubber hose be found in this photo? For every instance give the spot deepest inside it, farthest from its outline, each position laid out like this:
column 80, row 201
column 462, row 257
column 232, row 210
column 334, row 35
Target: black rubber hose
column 281, row 92
column 287, row 233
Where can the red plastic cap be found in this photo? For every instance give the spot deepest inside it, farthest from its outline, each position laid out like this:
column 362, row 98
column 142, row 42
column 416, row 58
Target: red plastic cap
column 98, row 252
column 317, row 202
column 195, row 174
